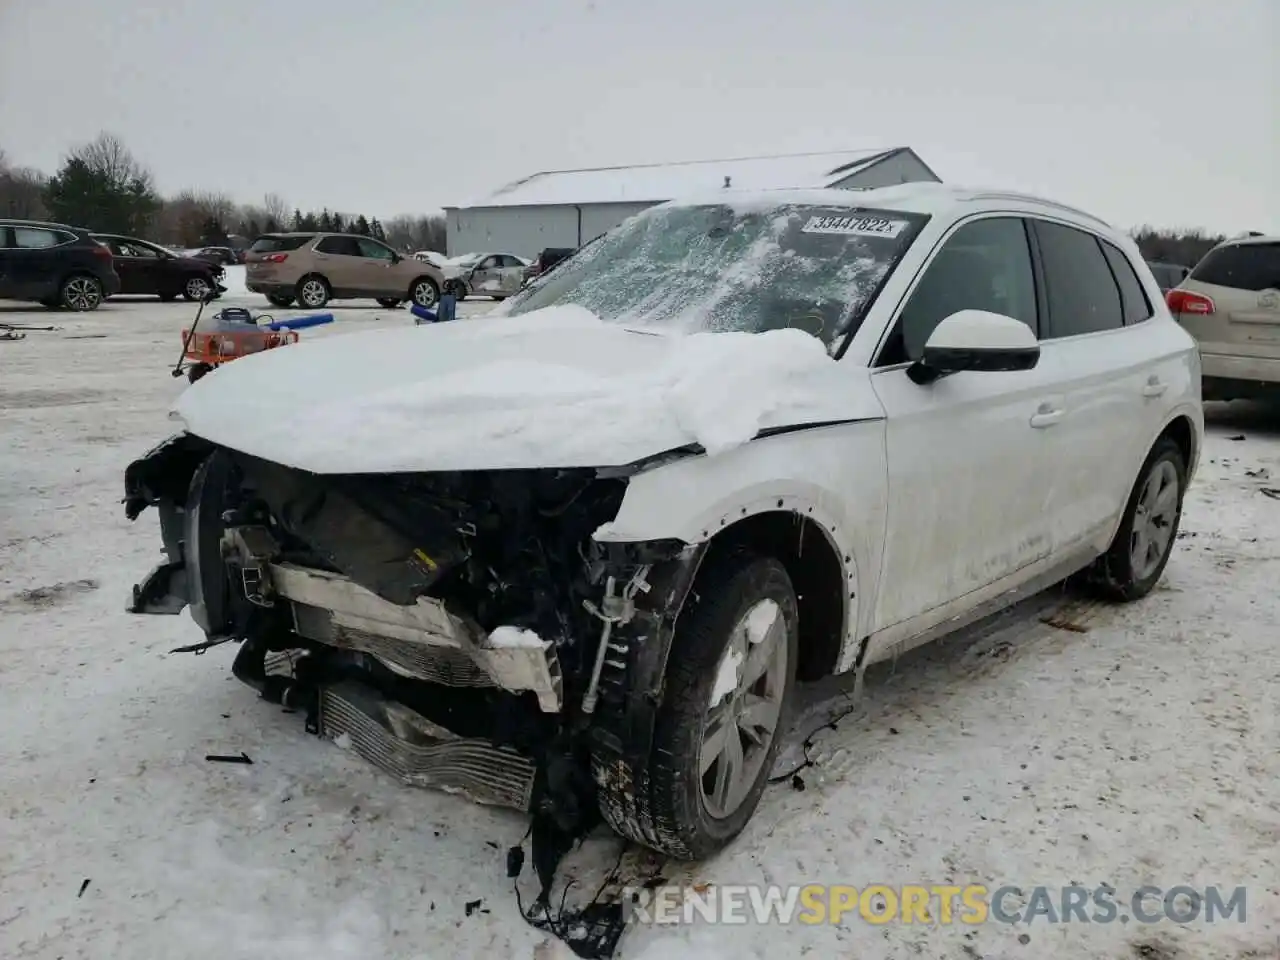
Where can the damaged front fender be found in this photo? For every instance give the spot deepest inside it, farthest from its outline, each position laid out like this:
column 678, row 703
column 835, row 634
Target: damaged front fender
column 186, row 480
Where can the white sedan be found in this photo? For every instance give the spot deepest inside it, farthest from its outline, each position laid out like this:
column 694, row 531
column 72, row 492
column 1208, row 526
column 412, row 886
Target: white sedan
column 739, row 442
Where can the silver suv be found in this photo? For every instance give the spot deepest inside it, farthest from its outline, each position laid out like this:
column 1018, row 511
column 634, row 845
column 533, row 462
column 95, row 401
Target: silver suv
column 1231, row 304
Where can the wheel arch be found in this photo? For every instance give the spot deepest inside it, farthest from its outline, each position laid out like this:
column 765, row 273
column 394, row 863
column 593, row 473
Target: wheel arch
column 824, row 579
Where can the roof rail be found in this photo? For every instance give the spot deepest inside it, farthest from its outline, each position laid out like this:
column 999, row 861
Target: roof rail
column 1032, row 198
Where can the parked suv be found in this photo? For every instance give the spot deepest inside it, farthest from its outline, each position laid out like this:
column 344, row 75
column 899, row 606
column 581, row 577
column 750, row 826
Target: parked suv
column 53, row 264
column 1231, row 305
column 314, row 268
column 582, row 565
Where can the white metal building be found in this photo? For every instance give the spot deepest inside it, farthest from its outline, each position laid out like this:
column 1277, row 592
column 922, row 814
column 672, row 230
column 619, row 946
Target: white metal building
column 567, row 208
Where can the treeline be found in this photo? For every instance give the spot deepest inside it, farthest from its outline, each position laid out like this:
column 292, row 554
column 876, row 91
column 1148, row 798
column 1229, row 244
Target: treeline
column 1184, row 247
column 102, row 186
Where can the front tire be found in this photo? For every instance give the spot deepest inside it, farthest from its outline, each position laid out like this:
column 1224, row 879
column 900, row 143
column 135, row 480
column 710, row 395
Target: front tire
column 424, row 292
column 81, row 293
column 313, row 292
column 196, row 289
column 725, row 709
column 1137, row 557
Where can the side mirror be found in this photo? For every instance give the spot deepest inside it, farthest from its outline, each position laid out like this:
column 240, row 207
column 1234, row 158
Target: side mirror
column 978, row 341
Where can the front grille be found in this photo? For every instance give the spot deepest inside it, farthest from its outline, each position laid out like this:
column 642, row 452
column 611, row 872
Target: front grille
column 433, row 758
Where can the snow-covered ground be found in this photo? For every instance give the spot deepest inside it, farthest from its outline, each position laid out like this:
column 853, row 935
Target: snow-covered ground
column 1132, row 746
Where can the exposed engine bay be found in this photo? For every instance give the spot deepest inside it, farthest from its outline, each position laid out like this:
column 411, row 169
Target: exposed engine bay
column 462, row 630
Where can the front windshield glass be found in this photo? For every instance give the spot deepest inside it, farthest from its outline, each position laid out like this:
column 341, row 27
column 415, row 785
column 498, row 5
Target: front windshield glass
column 720, row 268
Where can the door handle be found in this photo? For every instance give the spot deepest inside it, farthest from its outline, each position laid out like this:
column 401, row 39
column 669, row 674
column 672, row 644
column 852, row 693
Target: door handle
column 1047, row 416
column 1154, row 387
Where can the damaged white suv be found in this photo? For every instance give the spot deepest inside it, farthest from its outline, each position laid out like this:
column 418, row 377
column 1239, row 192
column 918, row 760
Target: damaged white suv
column 575, row 558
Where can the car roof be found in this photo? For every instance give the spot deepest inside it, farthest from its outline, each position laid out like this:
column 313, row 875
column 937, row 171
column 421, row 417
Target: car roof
column 1243, row 241
column 926, row 198
column 19, row 222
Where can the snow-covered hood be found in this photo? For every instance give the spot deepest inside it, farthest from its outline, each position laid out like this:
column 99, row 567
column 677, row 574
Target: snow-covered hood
column 552, row 388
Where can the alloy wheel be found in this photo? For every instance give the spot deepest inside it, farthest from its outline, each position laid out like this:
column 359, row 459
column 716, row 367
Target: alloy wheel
column 1153, row 519
column 82, row 293
column 742, row 719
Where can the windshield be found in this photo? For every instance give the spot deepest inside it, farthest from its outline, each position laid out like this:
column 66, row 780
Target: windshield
column 717, row 268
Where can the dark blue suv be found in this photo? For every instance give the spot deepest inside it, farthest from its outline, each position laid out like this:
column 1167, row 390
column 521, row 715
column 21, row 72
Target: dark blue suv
column 56, row 265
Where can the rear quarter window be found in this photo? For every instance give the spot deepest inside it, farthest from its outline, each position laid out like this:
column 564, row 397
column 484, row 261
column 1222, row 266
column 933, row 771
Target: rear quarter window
column 1132, row 297
column 1242, row 266
column 1083, row 294
column 279, row 244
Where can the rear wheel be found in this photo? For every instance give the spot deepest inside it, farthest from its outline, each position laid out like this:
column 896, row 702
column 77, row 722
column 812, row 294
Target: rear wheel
column 279, row 300
column 81, row 293
column 390, row 303
column 1141, row 548
column 725, row 708
column 313, row 292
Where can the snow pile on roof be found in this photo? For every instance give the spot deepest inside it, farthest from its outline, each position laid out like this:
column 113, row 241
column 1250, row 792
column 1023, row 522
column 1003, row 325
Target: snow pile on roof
column 555, row 387
column 656, row 182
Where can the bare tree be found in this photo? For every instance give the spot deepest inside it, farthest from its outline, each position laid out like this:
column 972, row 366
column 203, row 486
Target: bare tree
column 275, row 209
column 108, row 157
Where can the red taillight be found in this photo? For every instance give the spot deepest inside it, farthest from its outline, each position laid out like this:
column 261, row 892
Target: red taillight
column 1184, row 301
column 103, row 251
column 275, row 258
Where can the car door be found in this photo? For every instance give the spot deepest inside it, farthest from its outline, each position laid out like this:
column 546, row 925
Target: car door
column 6, row 243
column 338, row 260
column 137, row 274
column 377, row 270
column 968, row 454
column 512, row 274
column 35, row 263
column 1115, row 370
column 486, row 278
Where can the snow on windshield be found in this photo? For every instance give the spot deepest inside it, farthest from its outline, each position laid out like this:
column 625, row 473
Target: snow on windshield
column 713, row 268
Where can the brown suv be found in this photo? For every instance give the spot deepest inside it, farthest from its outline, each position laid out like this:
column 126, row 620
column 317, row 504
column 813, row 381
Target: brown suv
column 314, row 268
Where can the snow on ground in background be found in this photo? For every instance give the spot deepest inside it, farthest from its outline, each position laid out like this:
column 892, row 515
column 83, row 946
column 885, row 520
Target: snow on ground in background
column 513, row 638
column 233, row 280
column 1142, row 750
column 556, row 387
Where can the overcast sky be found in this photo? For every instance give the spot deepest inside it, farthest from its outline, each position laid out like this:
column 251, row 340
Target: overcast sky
column 1162, row 111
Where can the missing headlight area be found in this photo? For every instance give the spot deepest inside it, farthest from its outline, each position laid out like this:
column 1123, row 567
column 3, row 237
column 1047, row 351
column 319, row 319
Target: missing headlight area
column 461, row 631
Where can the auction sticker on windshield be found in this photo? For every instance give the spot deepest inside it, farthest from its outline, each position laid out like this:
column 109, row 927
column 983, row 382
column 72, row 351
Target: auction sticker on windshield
column 856, row 226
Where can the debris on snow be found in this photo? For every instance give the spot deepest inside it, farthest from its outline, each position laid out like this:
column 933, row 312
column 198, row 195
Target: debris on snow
column 342, row 741
column 226, row 758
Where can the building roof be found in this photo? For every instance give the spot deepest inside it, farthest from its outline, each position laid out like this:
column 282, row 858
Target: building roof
column 659, row 182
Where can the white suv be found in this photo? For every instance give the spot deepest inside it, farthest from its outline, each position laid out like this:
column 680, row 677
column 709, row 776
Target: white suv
column 576, row 556
column 1231, row 304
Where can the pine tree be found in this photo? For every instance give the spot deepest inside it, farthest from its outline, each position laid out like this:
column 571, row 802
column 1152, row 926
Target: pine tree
column 362, row 226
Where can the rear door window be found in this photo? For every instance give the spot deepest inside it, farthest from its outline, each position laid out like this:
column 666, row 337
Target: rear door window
column 339, row 246
column 1082, row 292
column 37, row 238
column 271, row 244
column 1242, row 266
column 1132, row 297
